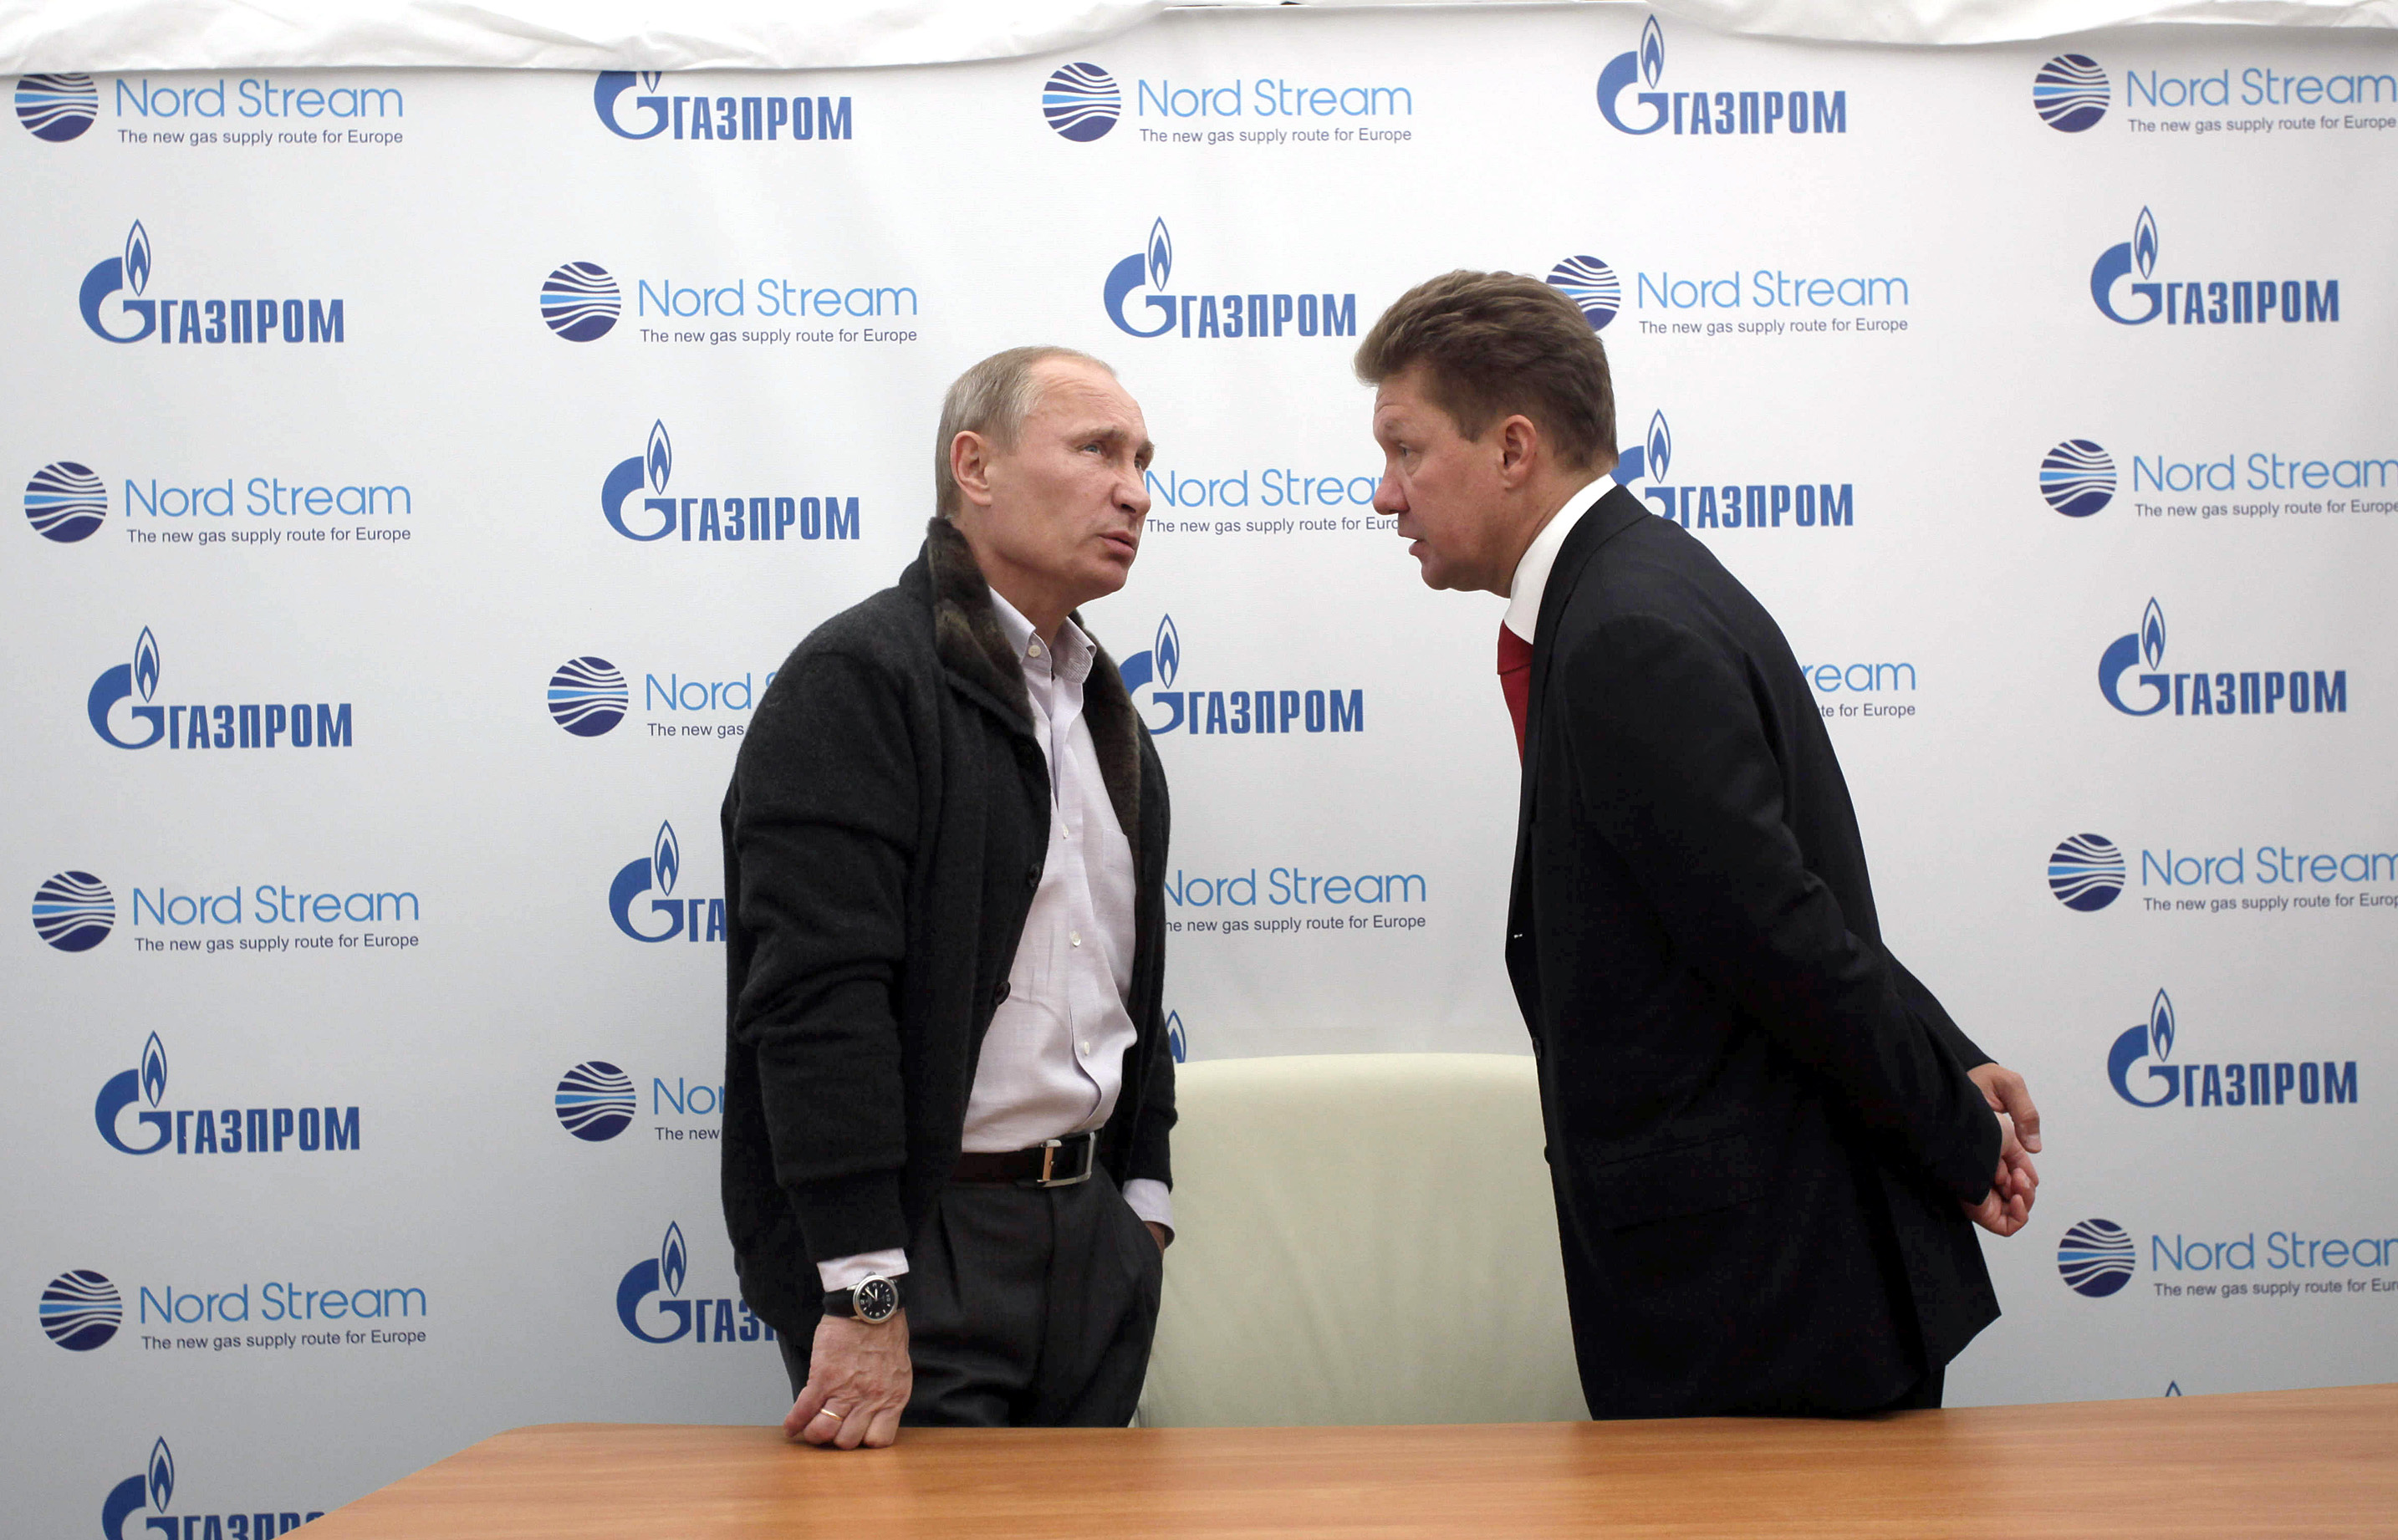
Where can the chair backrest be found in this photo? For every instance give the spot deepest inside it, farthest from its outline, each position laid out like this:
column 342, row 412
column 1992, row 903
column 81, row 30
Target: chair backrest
column 1361, row 1239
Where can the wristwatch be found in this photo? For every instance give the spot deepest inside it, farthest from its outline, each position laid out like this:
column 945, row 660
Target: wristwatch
column 875, row 1300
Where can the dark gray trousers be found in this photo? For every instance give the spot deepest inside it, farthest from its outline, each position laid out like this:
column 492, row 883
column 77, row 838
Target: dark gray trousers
column 1027, row 1307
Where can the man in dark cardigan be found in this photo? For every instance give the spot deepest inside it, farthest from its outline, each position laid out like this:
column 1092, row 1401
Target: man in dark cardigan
column 948, row 1092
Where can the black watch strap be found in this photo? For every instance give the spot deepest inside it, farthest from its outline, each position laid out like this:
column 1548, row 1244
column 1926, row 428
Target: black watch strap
column 873, row 1300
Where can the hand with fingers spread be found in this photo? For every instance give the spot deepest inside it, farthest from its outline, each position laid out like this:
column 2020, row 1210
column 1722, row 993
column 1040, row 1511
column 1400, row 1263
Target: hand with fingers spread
column 859, row 1377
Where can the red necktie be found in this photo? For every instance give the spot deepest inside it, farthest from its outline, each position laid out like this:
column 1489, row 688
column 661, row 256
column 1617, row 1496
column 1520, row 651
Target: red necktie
column 1516, row 679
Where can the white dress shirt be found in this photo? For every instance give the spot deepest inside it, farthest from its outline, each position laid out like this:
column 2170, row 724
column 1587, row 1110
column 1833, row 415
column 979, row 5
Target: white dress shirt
column 1531, row 578
column 1052, row 1060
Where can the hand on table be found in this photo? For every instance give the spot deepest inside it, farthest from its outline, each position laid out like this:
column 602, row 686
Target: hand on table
column 859, row 1377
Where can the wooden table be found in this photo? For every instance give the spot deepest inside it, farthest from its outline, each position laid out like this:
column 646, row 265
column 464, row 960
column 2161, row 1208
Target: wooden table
column 2280, row 1463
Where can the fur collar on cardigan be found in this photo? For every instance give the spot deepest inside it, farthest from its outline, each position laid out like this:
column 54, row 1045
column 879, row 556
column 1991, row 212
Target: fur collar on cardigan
column 967, row 635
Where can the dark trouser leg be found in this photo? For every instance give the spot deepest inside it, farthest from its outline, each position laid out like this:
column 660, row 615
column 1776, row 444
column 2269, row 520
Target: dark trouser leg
column 1031, row 1307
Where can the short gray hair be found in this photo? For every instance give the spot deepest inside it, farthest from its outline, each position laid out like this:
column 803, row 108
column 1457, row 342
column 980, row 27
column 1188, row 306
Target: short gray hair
column 991, row 399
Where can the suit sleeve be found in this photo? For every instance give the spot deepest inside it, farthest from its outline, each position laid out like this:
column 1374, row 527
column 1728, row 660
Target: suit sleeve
column 823, row 828
column 1673, row 764
column 1150, row 1158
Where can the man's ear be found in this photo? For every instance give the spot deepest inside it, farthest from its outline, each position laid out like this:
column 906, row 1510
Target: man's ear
column 970, row 457
column 1519, row 451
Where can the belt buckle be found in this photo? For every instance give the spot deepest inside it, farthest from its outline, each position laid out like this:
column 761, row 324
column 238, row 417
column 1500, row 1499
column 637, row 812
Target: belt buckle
column 1049, row 1148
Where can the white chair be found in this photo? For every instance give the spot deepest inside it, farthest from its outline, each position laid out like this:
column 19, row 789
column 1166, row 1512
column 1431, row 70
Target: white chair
column 1361, row 1239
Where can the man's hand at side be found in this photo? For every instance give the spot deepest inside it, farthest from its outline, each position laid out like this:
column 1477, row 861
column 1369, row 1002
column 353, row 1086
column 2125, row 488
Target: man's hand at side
column 859, row 1378
column 2005, row 1091
column 2006, row 1208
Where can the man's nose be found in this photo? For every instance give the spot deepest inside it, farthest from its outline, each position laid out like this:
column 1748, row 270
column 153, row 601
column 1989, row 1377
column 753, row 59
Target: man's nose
column 1132, row 495
column 1388, row 498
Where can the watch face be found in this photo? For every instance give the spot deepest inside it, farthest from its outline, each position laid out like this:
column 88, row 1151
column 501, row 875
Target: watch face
column 877, row 1299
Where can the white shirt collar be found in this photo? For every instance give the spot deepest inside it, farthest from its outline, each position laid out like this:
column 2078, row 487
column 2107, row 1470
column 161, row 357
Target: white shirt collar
column 1075, row 651
column 1531, row 579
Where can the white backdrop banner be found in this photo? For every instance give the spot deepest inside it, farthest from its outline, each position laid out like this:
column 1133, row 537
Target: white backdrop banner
column 425, row 472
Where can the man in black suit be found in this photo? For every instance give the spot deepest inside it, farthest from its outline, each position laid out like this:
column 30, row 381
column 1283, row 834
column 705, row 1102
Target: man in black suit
column 1768, row 1141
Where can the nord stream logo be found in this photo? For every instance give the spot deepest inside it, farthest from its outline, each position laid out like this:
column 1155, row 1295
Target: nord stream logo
column 1235, row 711
column 1709, row 112
column 2070, row 93
column 2252, row 300
column 1082, row 102
column 2077, row 478
column 1727, row 505
column 642, row 1310
column 1593, row 286
column 594, row 1100
column 2085, row 872
column 586, row 697
column 2249, row 692
column 57, row 107
column 656, row 872
column 768, row 119
column 81, row 1310
column 155, row 1491
column 580, row 302
column 65, row 501
column 173, row 320
column 182, row 724
column 747, row 519
column 74, row 911
column 2096, row 1258
column 1228, row 315
column 2149, row 1046
column 210, row 1130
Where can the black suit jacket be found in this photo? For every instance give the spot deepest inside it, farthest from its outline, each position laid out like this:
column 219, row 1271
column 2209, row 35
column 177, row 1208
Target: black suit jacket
column 1760, row 1128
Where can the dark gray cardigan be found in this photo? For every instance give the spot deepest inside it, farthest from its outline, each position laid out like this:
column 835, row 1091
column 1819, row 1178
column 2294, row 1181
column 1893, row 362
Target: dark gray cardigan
column 883, row 834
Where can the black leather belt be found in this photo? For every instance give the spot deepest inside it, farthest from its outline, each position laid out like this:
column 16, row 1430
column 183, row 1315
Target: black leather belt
column 1052, row 1163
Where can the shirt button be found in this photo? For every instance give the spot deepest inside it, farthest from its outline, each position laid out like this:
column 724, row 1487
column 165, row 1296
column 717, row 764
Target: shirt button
column 1075, row 937
column 1085, row 1048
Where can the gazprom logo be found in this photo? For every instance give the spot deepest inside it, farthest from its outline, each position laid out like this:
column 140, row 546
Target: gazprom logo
column 2238, row 692
column 656, row 874
column 1592, row 285
column 1711, row 113
column 2262, row 1083
column 65, row 501
column 74, row 911
column 2228, row 301
column 155, row 1490
column 81, row 1310
column 1082, row 102
column 709, row 519
column 57, row 107
column 595, row 1100
column 2077, row 478
column 2096, row 1258
column 180, row 320
column 642, row 1312
column 588, row 696
column 1725, row 505
column 2085, row 872
column 608, row 96
column 2070, row 93
column 210, row 1130
column 1146, row 273
column 1232, row 712
column 775, row 119
column 580, row 302
column 200, row 726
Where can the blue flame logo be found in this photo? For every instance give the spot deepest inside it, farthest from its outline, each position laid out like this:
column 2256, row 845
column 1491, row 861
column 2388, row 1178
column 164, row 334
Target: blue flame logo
column 74, row 911
column 1151, row 267
column 66, row 502
column 666, row 859
column 57, row 107
column 2085, row 873
column 595, row 1100
column 2096, row 1258
column 162, row 1476
column 580, row 302
column 1593, row 286
column 80, row 1310
column 2155, row 1036
column 1082, row 102
column 2161, row 1024
column 588, row 696
column 2144, row 243
column 1175, row 1043
column 153, row 1069
column 673, row 1259
column 661, row 457
column 1161, row 254
column 137, row 257
column 2116, row 262
column 1169, row 651
column 658, row 870
column 1643, row 66
column 609, row 91
column 2078, row 478
column 1649, row 459
column 146, row 663
column 2069, row 92
column 2126, row 652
